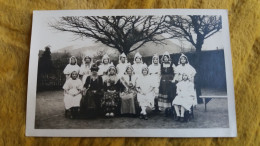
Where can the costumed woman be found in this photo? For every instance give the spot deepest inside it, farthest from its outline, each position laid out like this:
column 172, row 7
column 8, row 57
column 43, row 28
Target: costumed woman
column 167, row 89
column 145, row 92
column 138, row 64
column 72, row 66
column 155, row 72
column 85, row 68
column 104, row 65
column 122, row 64
column 112, row 86
column 186, row 97
column 128, row 96
column 92, row 94
column 72, row 95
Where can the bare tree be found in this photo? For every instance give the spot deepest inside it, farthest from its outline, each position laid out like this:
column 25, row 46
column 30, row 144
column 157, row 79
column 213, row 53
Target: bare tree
column 194, row 28
column 124, row 33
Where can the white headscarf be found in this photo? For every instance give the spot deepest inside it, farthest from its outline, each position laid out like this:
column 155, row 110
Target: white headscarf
column 155, row 56
column 87, row 56
column 71, row 59
column 182, row 55
column 138, row 55
column 122, row 55
column 105, row 57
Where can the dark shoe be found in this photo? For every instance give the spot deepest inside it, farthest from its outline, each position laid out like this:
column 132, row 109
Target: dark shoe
column 177, row 118
column 145, row 117
column 141, row 116
column 182, row 119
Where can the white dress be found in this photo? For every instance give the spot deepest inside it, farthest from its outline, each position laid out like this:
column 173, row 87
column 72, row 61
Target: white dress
column 155, row 72
column 186, row 95
column 138, row 68
column 85, row 72
column 69, row 69
column 121, row 68
column 73, row 87
column 145, row 84
column 103, row 68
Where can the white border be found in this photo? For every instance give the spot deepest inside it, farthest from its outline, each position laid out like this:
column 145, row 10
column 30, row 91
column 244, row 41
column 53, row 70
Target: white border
column 192, row 132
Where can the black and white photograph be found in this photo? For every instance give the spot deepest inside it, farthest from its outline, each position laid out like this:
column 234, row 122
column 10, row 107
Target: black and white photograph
column 130, row 73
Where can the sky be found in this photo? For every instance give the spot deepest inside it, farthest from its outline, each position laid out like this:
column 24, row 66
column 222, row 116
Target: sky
column 57, row 39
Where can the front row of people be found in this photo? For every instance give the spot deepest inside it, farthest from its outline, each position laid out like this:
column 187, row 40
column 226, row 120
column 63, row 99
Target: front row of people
column 130, row 94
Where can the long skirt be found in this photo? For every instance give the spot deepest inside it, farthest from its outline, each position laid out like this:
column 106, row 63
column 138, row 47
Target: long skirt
column 109, row 102
column 167, row 92
column 128, row 102
column 72, row 101
column 90, row 103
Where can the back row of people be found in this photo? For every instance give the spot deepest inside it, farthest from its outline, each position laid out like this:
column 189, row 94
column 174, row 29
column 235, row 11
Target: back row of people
column 108, row 85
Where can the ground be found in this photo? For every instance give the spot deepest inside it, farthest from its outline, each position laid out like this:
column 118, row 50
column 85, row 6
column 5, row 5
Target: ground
column 50, row 115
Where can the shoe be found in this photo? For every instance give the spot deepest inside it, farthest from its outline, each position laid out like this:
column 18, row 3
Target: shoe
column 107, row 115
column 182, row 119
column 145, row 117
column 177, row 118
column 111, row 114
column 141, row 116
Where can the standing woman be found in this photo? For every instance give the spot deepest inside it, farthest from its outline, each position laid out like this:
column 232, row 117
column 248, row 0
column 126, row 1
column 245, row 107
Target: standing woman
column 138, row 64
column 128, row 96
column 184, row 67
column 155, row 72
column 167, row 89
column 122, row 64
column 85, row 68
column 93, row 92
column 104, row 65
column 111, row 97
column 72, row 66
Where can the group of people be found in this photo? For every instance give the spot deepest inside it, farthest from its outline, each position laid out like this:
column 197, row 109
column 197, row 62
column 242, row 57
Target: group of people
column 129, row 89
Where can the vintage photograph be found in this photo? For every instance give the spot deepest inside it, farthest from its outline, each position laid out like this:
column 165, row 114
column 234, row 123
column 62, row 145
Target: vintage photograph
column 136, row 71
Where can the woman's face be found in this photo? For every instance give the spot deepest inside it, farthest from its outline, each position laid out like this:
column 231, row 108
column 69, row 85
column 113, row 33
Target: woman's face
column 105, row 61
column 87, row 60
column 155, row 60
column 94, row 72
column 122, row 59
column 184, row 77
column 145, row 72
column 74, row 75
column 165, row 58
column 112, row 71
column 138, row 60
column 129, row 71
column 183, row 60
column 73, row 60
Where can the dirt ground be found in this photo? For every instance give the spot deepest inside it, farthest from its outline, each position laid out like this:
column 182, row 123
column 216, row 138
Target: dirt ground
column 50, row 115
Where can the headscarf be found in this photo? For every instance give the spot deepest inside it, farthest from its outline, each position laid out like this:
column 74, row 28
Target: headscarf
column 155, row 56
column 145, row 68
column 138, row 55
column 182, row 55
column 111, row 67
column 122, row 55
column 166, row 54
column 71, row 59
column 105, row 57
column 129, row 66
column 87, row 56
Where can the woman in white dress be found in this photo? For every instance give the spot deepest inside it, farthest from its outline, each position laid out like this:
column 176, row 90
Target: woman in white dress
column 85, row 68
column 128, row 96
column 138, row 64
column 186, row 97
column 72, row 66
column 72, row 95
column 122, row 64
column 145, row 92
column 155, row 72
column 103, row 67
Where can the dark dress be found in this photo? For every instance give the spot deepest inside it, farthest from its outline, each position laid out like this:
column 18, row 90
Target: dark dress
column 167, row 89
column 90, row 105
column 110, row 103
